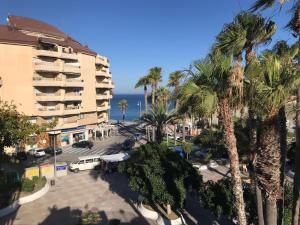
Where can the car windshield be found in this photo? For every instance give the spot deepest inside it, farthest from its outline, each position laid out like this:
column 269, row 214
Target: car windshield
column 40, row 150
column 75, row 162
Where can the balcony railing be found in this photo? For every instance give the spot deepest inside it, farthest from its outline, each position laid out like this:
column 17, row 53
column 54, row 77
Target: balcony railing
column 103, row 85
column 45, row 81
column 71, row 110
column 47, row 67
column 65, row 55
column 102, row 96
column 49, row 53
column 103, row 107
column 71, row 69
column 74, row 83
column 49, row 111
column 73, row 97
column 102, row 73
column 57, row 96
column 102, row 61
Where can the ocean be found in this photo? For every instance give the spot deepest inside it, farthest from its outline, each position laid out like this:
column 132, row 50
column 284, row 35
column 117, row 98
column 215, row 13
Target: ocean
column 133, row 110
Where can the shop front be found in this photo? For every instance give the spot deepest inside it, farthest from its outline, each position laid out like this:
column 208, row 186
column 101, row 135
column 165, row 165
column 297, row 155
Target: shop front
column 73, row 135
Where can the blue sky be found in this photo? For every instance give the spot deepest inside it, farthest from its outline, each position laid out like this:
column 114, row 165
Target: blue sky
column 139, row 34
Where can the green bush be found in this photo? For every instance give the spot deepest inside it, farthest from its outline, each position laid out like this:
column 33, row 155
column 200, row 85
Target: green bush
column 27, row 185
column 89, row 218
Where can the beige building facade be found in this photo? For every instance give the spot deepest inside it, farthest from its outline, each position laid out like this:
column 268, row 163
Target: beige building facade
column 49, row 75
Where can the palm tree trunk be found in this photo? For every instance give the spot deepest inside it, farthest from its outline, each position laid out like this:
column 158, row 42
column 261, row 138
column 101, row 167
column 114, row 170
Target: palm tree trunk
column 271, row 211
column 252, row 174
column 153, row 94
column 268, row 166
column 159, row 135
column 230, row 142
column 296, row 189
column 283, row 146
column 183, row 129
column 146, row 98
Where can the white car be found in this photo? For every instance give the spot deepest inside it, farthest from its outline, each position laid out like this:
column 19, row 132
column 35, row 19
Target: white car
column 171, row 136
column 39, row 153
column 200, row 167
column 213, row 165
column 31, row 151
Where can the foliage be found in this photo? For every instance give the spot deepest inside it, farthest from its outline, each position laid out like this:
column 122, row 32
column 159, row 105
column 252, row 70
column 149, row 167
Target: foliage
column 187, row 147
column 89, row 218
column 160, row 175
column 123, row 105
column 241, row 131
column 27, row 185
column 159, row 118
column 218, row 197
column 15, row 127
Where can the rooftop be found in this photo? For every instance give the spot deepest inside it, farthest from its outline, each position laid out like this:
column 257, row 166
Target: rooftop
column 13, row 33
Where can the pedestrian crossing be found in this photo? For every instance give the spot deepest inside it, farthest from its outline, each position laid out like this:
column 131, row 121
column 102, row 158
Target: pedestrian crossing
column 95, row 150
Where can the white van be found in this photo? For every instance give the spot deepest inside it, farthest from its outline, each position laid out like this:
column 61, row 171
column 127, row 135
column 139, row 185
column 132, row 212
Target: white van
column 85, row 163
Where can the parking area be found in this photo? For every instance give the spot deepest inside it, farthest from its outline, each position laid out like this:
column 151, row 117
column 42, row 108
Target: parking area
column 109, row 195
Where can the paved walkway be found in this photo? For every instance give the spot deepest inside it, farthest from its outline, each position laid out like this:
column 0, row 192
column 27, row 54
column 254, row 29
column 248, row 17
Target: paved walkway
column 65, row 202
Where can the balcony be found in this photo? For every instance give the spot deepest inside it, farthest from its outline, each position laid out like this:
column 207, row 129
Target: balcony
column 69, row 110
column 49, row 111
column 102, row 96
column 102, row 108
column 72, row 56
column 73, row 97
column 102, row 61
column 71, row 69
column 101, row 119
column 74, row 83
column 102, row 73
column 49, row 97
column 47, row 67
column 104, row 84
column 48, row 53
column 47, row 82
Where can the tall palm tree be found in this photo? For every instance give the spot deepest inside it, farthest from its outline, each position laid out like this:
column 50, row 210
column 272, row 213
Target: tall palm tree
column 123, row 105
column 174, row 81
column 158, row 117
column 273, row 86
column 212, row 76
column 154, row 77
column 163, row 95
column 144, row 82
column 294, row 25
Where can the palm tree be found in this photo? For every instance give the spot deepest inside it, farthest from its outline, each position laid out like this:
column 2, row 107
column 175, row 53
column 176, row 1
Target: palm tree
column 174, row 81
column 144, row 82
column 212, row 76
column 163, row 95
column 158, row 117
column 274, row 80
column 294, row 25
column 154, row 77
column 123, row 105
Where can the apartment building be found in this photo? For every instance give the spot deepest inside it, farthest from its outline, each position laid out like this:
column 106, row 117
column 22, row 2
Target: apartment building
column 49, row 75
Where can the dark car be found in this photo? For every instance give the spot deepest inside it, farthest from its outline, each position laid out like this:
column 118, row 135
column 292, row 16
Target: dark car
column 21, row 156
column 50, row 150
column 137, row 136
column 83, row 144
column 128, row 144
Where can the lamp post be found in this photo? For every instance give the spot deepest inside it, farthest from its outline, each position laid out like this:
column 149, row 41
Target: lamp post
column 54, row 148
column 140, row 105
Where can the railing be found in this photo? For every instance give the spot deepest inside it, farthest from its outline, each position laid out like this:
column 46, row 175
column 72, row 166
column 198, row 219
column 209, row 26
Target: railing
column 47, row 66
column 71, row 107
column 43, row 109
column 71, row 68
column 47, row 79
column 73, row 80
column 48, row 94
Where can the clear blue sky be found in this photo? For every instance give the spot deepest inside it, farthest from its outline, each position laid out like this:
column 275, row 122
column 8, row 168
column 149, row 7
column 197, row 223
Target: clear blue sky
column 139, row 34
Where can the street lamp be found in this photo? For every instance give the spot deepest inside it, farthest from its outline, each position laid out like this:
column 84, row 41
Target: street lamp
column 54, row 147
column 140, row 105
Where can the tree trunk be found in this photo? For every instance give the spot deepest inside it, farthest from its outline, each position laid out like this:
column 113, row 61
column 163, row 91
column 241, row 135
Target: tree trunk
column 169, row 211
column 259, row 205
column 296, row 189
column 268, row 165
column 153, row 95
column 252, row 173
column 283, row 146
column 271, row 212
column 146, row 98
column 174, row 134
column 159, row 135
column 230, row 142
column 183, row 129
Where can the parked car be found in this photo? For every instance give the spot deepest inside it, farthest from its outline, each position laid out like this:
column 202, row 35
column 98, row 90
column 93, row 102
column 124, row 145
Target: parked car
column 137, row 136
column 31, row 151
column 50, row 150
column 83, row 144
column 179, row 150
column 21, row 156
column 128, row 144
column 39, row 153
column 85, row 163
column 213, row 164
column 171, row 136
column 200, row 167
